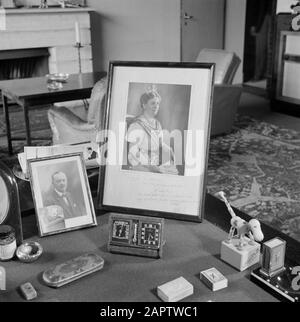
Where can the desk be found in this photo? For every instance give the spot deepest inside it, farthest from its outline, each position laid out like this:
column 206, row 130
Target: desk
column 190, row 248
column 31, row 92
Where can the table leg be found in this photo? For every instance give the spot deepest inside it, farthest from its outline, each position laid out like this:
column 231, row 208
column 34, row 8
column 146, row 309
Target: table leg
column 7, row 123
column 27, row 125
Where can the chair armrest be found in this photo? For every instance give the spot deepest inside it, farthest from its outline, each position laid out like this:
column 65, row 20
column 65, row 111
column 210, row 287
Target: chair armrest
column 225, row 104
column 72, row 120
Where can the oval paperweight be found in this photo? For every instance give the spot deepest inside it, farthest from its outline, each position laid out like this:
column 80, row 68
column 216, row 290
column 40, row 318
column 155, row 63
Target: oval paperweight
column 72, row 270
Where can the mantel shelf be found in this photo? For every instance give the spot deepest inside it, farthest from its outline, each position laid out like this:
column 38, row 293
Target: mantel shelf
column 46, row 11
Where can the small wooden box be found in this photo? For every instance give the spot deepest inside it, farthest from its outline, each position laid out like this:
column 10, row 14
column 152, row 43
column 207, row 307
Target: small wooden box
column 213, row 279
column 273, row 257
column 175, row 290
column 240, row 259
column 28, row 291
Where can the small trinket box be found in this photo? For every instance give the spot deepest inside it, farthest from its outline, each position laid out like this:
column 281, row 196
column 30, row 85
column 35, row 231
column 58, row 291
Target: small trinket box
column 175, row 290
column 273, row 257
column 214, row 279
column 28, row 291
column 72, row 270
column 241, row 259
column 8, row 244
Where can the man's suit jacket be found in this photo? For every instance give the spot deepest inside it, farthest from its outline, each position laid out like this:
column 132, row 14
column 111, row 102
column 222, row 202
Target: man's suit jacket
column 71, row 210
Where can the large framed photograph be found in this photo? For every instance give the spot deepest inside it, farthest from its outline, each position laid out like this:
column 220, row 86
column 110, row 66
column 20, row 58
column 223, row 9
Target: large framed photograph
column 156, row 141
column 61, row 194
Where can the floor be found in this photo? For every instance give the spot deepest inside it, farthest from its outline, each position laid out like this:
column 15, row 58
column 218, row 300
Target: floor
column 258, row 107
column 260, row 84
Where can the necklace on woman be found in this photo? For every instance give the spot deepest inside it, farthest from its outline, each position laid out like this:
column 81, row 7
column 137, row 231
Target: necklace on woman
column 152, row 124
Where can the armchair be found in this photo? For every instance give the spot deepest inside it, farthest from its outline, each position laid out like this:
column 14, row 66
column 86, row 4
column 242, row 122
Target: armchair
column 72, row 123
column 226, row 96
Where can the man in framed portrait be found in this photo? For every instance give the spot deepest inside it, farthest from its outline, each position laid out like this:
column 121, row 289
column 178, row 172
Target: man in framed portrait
column 60, row 196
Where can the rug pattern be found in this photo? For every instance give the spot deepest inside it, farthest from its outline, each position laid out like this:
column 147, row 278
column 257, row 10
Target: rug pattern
column 258, row 167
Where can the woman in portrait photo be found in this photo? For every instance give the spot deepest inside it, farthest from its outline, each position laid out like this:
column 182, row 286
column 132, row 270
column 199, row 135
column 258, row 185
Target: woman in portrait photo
column 146, row 148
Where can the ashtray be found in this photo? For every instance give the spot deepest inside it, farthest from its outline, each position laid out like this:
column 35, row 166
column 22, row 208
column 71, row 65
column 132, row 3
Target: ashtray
column 29, row 252
column 54, row 86
column 58, row 77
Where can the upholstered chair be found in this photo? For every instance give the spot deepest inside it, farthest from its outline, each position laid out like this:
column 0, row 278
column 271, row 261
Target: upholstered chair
column 226, row 96
column 73, row 123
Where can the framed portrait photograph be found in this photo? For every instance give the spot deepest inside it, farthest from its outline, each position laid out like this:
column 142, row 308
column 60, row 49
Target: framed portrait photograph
column 61, row 194
column 10, row 213
column 157, row 138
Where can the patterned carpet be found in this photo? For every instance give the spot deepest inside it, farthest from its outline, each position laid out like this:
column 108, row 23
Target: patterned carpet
column 258, row 166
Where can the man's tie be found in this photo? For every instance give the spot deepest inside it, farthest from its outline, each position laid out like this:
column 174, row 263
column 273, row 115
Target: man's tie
column 64, row 196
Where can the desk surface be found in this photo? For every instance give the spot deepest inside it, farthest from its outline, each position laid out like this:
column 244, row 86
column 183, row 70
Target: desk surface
column 28, row 88
column 190, row 248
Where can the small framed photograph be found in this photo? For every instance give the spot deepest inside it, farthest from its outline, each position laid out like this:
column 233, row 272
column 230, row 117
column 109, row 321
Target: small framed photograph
column 61, row 194
column 156, row 141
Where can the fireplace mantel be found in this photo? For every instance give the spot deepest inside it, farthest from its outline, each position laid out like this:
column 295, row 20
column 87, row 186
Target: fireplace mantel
column 47, row 10
column 52, row 28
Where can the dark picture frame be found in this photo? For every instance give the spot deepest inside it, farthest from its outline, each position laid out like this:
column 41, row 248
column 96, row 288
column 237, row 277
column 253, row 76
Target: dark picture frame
column 175, row 77
column 10, row 213
column 64, row 208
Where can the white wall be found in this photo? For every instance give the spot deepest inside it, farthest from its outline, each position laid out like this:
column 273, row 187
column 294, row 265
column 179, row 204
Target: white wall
column 235, row 31
column 285, row 5
column 135, row 30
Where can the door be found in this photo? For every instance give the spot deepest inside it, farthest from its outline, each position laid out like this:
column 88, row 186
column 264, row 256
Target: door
column 258, row 40
column 202, row 26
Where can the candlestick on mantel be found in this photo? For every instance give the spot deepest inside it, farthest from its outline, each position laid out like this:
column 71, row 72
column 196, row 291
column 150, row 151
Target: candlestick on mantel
column 77, row 32
column 79, row 46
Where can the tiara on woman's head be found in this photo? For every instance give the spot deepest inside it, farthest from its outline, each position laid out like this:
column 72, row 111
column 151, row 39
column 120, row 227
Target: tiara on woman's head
column 152, row 89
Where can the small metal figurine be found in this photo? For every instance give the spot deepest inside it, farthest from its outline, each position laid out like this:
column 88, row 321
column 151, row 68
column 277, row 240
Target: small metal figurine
column 44, row 4
column 252, row 228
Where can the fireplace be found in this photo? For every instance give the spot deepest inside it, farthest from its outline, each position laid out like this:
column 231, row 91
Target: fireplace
column 40, row 41
column 23, row 63
column 34, row 37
